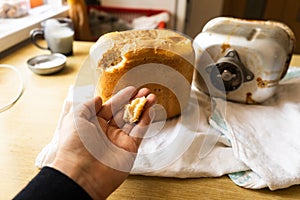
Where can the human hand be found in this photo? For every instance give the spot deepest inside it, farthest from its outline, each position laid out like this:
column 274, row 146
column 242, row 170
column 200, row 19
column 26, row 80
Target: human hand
column 77, row 141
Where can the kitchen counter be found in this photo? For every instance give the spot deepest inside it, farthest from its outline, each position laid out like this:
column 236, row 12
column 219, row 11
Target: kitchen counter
column 27, row 126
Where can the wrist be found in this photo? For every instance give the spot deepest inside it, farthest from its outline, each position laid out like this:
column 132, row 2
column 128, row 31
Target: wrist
column 97, row 179
column 83, row 175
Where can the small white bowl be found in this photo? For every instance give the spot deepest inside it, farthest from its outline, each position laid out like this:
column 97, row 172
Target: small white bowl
column 47, row 64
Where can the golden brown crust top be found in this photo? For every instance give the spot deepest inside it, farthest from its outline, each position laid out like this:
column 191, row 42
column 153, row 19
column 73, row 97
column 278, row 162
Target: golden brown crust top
column 116, row 44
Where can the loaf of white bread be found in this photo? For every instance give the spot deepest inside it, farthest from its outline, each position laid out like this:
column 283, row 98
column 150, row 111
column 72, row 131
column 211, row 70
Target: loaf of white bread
column 161, row 60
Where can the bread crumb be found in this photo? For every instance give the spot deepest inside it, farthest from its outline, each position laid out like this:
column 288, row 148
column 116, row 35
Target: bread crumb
column 134, row 109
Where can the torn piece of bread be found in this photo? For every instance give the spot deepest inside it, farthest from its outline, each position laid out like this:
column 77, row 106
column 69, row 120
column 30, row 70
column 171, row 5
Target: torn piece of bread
column 160, row 60
column 134, row 109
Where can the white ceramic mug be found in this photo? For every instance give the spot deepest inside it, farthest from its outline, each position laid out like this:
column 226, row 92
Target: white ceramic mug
column 58, row 33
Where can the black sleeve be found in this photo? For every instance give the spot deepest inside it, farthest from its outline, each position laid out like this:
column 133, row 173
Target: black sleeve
column 51, row 184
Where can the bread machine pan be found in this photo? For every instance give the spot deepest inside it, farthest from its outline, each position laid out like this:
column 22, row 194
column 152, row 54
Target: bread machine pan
column 242, row 60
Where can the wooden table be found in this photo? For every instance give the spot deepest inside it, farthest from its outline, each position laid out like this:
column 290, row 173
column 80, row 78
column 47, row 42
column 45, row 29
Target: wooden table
column 29, row 125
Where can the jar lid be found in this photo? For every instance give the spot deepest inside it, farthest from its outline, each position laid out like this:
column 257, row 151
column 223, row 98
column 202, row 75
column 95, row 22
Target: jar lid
column 47, row 64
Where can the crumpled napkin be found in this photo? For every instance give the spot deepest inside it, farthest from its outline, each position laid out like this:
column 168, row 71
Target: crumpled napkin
column 182, row 147
column 265, row 137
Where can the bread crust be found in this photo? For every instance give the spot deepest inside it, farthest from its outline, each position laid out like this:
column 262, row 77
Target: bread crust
column 172, row 50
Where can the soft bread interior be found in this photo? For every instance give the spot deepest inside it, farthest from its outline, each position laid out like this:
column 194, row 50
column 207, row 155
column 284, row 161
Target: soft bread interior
column 134, row 109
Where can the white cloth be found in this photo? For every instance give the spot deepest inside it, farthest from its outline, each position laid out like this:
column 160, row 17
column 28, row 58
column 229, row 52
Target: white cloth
column 257, row 145
column 150, row 22
column 177, row 148
column 265, row 137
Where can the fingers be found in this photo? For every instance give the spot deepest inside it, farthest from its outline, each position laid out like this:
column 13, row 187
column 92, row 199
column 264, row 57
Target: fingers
column 122, row 140
column 114, row 104
column 90, row 108
column 146, row 118
column 98, row 103
column 117, row 130
column 143, row 92
column 118, row 117
column 147, row 115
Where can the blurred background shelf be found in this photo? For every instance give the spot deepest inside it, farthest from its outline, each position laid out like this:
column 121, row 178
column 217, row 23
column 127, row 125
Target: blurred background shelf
column 14, row 31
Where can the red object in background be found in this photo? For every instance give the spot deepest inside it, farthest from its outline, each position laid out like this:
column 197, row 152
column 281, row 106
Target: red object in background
column 35, row 3
column 129, row 14
column 161, row 25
